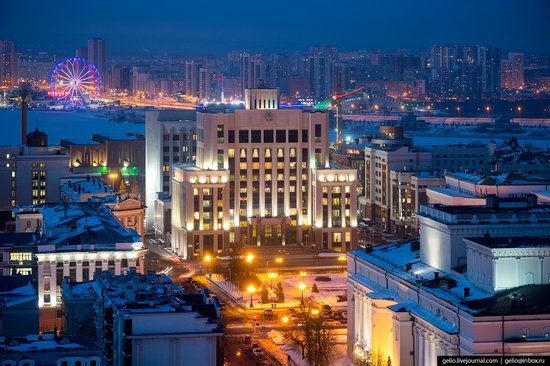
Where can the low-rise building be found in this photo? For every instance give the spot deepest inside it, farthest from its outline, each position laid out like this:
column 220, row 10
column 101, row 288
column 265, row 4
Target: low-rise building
column 18, row 306
column 79, row 240
column 16, row 253
column 50, row 350
column 145, row 320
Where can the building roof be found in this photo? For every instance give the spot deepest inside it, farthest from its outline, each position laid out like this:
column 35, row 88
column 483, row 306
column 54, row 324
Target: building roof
column 513, row 242
column 480, row 210
column 18, row 239
column 47, row 342
column 177, row 115
column 529, row 299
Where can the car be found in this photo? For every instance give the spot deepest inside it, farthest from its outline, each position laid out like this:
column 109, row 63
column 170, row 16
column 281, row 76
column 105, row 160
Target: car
column 332, row 323
column 268, row 313
column 294, row 317
column 247, row 340
column 253, row 346
column 292, row 311
column 257, row 352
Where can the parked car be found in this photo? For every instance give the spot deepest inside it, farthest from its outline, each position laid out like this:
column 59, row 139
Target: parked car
column 247, row 340
column 292, row 311
column 257, row 352
column 269, row 313
column 294, row 317
column 254, row 346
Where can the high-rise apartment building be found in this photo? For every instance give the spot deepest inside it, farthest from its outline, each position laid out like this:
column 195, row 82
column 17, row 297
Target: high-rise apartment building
column 8, row 64
column 262, row 177
column 97, row 54
column 512, row 71
column 489, row 61
column 170, row 138
column 252, row 71
column 197, row 79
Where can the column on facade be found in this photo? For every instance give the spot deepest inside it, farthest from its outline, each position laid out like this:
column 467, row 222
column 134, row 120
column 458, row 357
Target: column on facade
column 418, row 356
column 427, row 351
column 117, row 266
column 66, row 270
column 104, row 264
column 53, row 282
column 356, row 324
column 91, row 271
column 40, row 283
column 79, row 270
column 358, row 320
column 367, row 322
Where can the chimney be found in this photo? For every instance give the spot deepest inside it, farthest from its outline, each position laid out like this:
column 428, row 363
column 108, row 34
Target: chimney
column 24, row 109
column 466, row 292
column 436, row 275
column 368, row 248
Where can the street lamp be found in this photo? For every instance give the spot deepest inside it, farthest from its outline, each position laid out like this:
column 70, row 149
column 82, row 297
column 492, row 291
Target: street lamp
column 302, row 287
column 113, row 176
column 285, row 319
column 342, row 259
column 251, row 289
column 315, row 312
column 207, row 260
column 271, row 276
column 249, row 258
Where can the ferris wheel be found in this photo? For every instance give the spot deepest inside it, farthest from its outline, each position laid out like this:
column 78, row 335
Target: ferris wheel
column 75, row 81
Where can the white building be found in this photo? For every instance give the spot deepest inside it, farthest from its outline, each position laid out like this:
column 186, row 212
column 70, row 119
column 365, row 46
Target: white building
column 145, row 320
column 406, row 303
column 170, row 138
column 472, row 190
column 79, row 240
column 270, row 158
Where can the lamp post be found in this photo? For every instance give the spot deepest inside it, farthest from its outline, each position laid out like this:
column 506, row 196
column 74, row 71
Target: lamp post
column 207, row 260
column 342, row 259
column 271, row 276
column 302, row 287
column 113, row 176
column 249, row 258
column 279, row 261
column 251, row 289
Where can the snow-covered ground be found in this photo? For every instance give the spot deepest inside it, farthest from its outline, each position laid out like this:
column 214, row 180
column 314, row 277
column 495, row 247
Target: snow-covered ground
column 328, row 291
column 339, row 355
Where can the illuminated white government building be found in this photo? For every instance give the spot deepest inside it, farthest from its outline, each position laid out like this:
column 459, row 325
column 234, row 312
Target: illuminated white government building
column 262, row 177
column 477, row 282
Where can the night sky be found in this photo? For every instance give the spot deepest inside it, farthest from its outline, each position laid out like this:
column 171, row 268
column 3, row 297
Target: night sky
column 193, row 28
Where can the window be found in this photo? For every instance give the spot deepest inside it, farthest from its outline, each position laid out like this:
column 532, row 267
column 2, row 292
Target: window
column 20, row 256
column 317, row 130
column 243, row 136
column 281, row 136
column 231, row 136
column 305, row 135
column 268, row 136
column 292, row 135
column 256, row 136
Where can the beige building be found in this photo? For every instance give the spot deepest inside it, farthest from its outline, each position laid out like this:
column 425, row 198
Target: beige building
column 269, row 157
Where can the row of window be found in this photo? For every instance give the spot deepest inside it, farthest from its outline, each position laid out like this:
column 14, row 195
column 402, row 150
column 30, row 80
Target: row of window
column 267, row 136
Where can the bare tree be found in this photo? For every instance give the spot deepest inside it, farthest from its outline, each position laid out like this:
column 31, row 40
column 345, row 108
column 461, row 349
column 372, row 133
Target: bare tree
column 312, row 336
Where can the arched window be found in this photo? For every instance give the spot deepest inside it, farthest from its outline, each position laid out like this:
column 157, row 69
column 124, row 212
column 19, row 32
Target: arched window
column 524, row 332
column 8, row 363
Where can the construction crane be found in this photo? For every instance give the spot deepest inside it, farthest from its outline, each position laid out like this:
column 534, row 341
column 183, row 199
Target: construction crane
column 337, row 103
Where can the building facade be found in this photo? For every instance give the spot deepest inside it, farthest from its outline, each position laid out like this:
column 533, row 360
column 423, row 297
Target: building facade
column 170, row 139
column 270, row 157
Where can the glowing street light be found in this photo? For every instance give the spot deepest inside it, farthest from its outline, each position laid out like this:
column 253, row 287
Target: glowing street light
column 113, row 176
column 342, row 259
column 249, row 258
column 315, row 311
column 271, row 276
column 285, row 319
column 302, row 287
column 207, row 260
column 251, row 289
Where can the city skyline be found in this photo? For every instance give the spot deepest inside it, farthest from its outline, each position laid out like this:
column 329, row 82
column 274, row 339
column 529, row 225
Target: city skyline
column 175, row 29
